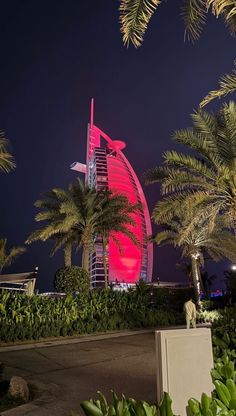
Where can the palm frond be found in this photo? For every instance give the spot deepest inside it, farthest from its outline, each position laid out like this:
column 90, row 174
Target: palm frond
column 230, row 21
column 221, row 6
column 7, row 161
column 7, row 257
column 134, row 18
column 190, row 163
column 205, row 123
column 156, row 174
column 227, row 85
column 169, row 207
column 226, row 137
column 194, row 16
column 181, row 181
column 165, row 237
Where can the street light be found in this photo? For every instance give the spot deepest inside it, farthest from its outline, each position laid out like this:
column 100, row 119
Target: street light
column 233, row 267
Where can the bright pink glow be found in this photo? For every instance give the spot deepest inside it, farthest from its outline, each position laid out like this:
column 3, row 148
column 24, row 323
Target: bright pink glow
column 125, row 265
column 117, row 145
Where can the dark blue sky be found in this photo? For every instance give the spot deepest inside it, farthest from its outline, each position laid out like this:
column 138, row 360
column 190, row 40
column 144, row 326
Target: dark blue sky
column 56, row 55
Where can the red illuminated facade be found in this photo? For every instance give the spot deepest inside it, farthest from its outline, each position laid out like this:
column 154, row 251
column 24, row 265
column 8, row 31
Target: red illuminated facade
column 107, row 167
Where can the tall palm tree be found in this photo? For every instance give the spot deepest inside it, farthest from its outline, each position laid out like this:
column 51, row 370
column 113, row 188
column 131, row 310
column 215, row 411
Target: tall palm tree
column 206, row 180
column 7, row 161
column 117, row 218
column 76, row 216
column 91, row 213
column 83, row 210
column 136, row 14
column 218, row 244
column 56, row 227
column 8, row 257
column 71, row 219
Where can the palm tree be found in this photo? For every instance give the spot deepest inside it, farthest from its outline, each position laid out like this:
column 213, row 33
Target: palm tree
column 7, row 162
column 71, row 219
column 136, row 14
column 8, row 257
column 218, row 244
column 117, row 217
column 56, row 227
column 76, row 216
column 91, row 214
column 83, row 210
column 205, row 181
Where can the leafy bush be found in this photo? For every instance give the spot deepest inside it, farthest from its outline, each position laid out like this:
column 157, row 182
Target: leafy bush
column 25, row 318
column 120, row 407
column 209, row 316
column 224, row 334
column 222, row 403
column 72, row 279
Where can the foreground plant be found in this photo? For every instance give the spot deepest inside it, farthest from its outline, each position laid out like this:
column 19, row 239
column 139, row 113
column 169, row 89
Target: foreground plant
column 22, row 318
column 227, row 85
column 7, row 161
column 204, row 182
column 119, row 407
column 222, row 403
column 8, row 257
column 135, row 16
column 197, row 242
column 75, row 217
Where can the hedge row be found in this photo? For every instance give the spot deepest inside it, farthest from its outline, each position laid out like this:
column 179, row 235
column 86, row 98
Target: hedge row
column 25, row 318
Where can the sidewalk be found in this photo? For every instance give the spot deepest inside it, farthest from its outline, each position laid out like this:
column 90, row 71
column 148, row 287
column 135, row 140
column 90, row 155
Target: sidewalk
column 28, row 345
column 69, row 371
column 76, row 371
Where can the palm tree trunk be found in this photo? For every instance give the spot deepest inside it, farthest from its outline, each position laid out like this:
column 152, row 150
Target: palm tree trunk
column 67, row 254
column 85, row 257
column 104, row 259
column 196, row 279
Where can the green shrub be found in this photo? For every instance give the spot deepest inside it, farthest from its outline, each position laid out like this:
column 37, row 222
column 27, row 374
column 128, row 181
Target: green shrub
column 72, row 279
column 209, row 316
column 221, row 403
column 119, row 407
column 24, row 318
column 224, row 334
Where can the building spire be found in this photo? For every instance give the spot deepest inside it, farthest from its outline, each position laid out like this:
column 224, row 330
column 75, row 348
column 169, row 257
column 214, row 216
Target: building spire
column 92, row 113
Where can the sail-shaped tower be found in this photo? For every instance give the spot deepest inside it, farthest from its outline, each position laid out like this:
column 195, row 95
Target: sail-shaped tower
column 107, row 167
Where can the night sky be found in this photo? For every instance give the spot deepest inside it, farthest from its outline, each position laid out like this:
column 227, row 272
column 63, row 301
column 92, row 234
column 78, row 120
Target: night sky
column 57, row 54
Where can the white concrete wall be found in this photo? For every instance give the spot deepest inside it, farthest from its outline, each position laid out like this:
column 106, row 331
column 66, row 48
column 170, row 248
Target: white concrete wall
column 184, row 361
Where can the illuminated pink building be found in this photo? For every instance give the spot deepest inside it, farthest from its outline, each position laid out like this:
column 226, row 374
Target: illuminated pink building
column 107, row 167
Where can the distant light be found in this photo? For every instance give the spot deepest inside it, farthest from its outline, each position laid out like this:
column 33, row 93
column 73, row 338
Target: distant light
column 233, row 267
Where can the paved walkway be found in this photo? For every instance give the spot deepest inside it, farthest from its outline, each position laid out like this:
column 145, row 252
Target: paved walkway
column 74, row 372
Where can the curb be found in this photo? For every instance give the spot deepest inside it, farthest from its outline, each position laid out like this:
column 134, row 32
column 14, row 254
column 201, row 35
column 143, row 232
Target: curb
column 87, row 338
